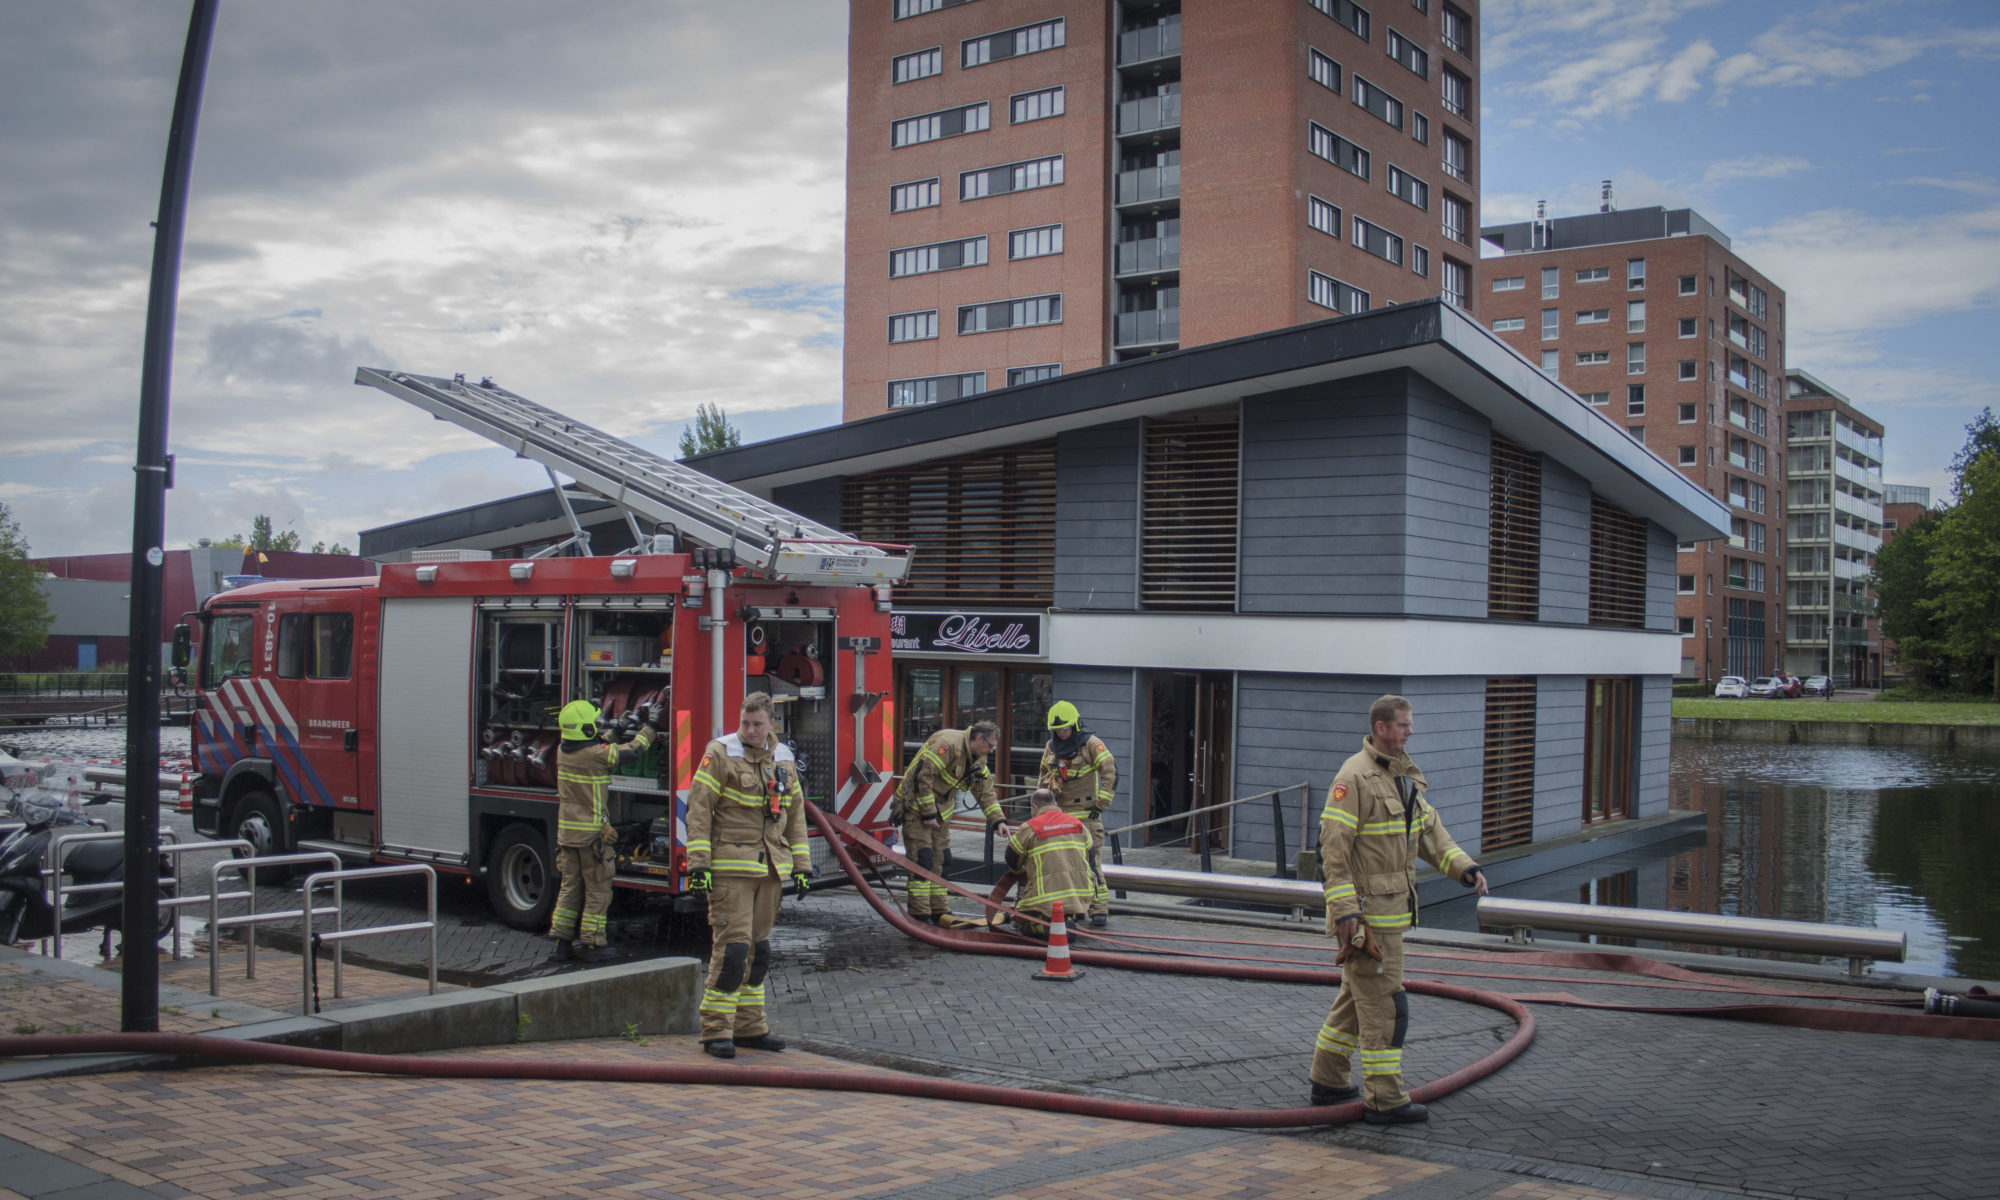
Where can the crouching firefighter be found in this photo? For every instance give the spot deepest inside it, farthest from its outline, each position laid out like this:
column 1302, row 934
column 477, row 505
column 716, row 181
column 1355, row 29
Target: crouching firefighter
column 586, row 844
column 1051, row 853
column 746, row 825
column 950, row 769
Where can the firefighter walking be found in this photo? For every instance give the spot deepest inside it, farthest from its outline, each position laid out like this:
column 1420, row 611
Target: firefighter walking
column 951, row 768
column 586, row 845
column 746, row 826
column 1050, row 851
column 1376, row 824
column 1078, row 768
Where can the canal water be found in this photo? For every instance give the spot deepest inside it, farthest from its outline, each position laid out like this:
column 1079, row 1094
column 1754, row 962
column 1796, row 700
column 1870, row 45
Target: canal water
column 1891, row 838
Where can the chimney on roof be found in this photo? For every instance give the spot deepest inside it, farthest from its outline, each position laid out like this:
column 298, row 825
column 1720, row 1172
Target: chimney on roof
column 1606, row 205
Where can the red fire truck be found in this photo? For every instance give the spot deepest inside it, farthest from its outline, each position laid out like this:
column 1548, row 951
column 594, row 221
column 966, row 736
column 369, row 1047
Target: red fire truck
column 411, row 717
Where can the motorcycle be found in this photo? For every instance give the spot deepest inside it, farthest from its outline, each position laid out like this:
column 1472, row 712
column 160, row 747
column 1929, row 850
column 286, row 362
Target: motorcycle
column 26, row 914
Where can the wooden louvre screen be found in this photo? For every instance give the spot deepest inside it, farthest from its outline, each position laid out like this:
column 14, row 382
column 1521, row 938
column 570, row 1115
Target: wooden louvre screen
column 984, row 525
column 1514, row 534
column 1617, row 566
column 1507, row 813
column 1187, row 537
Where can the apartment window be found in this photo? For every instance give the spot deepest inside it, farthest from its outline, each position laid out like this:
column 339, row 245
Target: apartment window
column 1510, row 325
column 1039, row 242
column 1595, row 399
column 1635, row 399
column 1684, row 414
column 1590, row 358
column 1420, row 128
column 1687, row 285
column 913, row 327
column 1323, row 216
column 1635, row 316
column 1408, row 187
column 1688, row 456
column 1688, row 372
column 1593, row 274
column 1331, row 293
column 1549, row 362
column 1011, row 43
column 1688, row 327
column 1637, row 433
column 1457, row 93
column 906, row 196
column 921, row 65
column 1551, row 324
column 1347, row 13
column 1020, row 375
column 1411, row 55
column 911, row 131
column 1457, row 30
column 1635, row 358
column 1513, row 283
column 1593, row 316
column 1324, row 71
column 1013, row 177
column 914, row 8
column 1337, row 150
column 1035, row 106
column 1686, row 626
column 1457, row 156
column 915, row 393
column 1457, row 216
column 1010, row 314
column 1457, row 282
column 1379, row 102
column 1551, row 283
column 1420, row 261
column 938, row 256
column 1635, row 274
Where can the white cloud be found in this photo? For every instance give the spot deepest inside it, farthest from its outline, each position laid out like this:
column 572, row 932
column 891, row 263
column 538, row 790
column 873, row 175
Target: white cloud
column 1756, row 166
column 1681, row 77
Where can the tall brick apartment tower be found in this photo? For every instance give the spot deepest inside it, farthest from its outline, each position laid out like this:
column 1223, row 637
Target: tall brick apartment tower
column 1035, row 186
column 1650, row 316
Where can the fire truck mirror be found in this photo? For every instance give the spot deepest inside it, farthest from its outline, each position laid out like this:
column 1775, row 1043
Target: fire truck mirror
column 183, row 646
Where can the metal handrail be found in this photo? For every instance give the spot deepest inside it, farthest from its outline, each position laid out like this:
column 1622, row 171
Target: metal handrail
column 1280, row 868
column 340, row 935
column 1856, row 945
column 251, row 919
column 177, row 901
column 52, row 872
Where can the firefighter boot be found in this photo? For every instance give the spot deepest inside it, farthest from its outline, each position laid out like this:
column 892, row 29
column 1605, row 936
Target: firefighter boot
column 1404, row 1114
column 720, row 1047
column 1323, row 1095
column 598, row 954
column 563, row 952
column 762, row 1041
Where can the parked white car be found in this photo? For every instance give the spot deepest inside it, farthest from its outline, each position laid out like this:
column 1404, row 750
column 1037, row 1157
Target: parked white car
column 1732, row 687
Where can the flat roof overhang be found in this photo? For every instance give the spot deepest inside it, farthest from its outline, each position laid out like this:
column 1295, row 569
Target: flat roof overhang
column 1428, row 337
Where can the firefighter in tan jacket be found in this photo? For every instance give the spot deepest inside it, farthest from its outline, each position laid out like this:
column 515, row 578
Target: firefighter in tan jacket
column 1375, row 826
column 586, row 845
column 949, row 769
column 746, row 831
column 1080, row 770
column 1050, row 851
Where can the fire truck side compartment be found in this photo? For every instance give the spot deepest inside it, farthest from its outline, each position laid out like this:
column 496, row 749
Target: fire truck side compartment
column 426, row 667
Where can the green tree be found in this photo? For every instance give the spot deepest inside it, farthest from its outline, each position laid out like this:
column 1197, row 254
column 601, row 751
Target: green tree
column 336, row 548
column 1965, row 570
column 1982, row 437
column 710, row 431
column 24, row 609
column 1902, row 584
column 261, row 538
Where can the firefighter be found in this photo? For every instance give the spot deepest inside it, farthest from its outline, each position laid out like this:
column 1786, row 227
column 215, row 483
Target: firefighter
column 746, row 826
column 586, row 845
column 951, row 769
column 1375, row 826
column 1051, row 853
column 1078, row 768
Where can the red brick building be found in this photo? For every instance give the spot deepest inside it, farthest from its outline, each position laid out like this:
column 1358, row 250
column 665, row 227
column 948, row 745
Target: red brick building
column 1651, row 317
column 1037, row 187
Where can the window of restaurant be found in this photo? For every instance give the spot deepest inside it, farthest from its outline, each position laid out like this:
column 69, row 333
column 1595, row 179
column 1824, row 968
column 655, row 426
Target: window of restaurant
column 937, row 695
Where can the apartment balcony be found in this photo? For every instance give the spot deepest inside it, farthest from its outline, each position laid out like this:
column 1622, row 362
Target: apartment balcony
column 1854, row 506
column 1147, row 328
column 1853, row 472
column 1856, row 539
column 1149, row 185
column 1150, row 256
column 1150, row 114
column 1867, row 447
column 1145, row 45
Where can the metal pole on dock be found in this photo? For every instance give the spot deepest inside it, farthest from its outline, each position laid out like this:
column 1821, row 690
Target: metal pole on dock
column 140, row 1007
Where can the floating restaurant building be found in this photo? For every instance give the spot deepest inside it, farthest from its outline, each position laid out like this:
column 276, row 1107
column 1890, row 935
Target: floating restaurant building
column 1224, row 554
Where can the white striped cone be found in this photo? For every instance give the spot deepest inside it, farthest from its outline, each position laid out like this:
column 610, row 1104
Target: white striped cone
column 184, row 802
column 1057, row 966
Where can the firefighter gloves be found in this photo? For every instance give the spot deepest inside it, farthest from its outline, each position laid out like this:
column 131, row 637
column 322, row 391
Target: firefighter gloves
column 701, row 881
column 802, row 882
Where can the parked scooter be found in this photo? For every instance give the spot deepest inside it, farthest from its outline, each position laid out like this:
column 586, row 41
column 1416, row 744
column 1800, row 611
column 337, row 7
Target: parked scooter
column 25, row 912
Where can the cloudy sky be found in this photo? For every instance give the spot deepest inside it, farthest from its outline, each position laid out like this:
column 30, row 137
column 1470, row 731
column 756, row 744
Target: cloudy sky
column 628, row 207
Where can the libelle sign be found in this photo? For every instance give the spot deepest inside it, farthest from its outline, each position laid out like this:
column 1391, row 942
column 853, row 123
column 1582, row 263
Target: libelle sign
column 987, row 634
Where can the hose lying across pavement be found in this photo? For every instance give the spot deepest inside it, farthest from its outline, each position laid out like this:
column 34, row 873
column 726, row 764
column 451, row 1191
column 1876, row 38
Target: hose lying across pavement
column 838, row 833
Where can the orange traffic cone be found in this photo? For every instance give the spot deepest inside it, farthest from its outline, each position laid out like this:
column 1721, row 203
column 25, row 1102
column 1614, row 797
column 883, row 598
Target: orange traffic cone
column 185, row 801
column 1057, row 966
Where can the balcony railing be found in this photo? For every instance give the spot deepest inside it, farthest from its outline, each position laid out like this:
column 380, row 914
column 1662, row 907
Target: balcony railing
column 1142, row 45
column 1149, row 255
column 1856, row 539
column 1149, row 113
column 1149, row 327
column 1867, row 447
column 1855, row 506
column 1149, row 183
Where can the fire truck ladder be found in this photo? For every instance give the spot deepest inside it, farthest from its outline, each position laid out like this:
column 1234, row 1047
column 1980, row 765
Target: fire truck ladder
column 771, row 542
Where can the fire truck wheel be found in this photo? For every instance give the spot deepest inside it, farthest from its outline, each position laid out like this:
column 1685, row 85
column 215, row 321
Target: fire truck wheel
column 521, row 878
column 256, row 820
